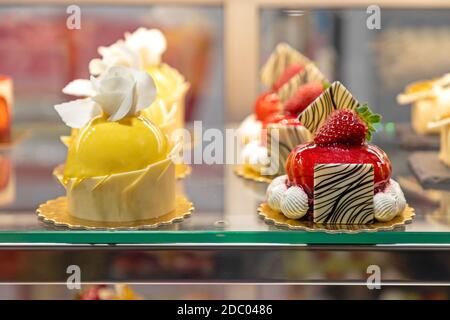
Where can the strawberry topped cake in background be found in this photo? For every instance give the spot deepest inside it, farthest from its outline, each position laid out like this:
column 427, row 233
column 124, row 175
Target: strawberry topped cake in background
column 283, row 64
column 294, row 82
column 337, row 178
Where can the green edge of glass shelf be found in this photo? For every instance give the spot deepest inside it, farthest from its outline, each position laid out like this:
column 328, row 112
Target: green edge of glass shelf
column 222, row 238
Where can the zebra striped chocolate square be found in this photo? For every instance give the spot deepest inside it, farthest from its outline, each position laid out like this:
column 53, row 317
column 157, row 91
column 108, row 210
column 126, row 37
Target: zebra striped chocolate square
column 343, row 193
column 309, row 74
column 335, row 97
column 283, row 56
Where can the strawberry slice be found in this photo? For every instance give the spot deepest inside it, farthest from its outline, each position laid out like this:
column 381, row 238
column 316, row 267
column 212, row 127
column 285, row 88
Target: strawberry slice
column 288, row 73
column 303, row 97
column 266, row 105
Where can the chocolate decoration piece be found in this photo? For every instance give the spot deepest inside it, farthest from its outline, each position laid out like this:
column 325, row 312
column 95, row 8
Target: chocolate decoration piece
column 343, row 193
column 286, row 137
column 335, row 97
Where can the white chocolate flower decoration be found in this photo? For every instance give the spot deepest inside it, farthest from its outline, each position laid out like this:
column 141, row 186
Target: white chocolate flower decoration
column 117, row 54
column 150, row 44
column 119, row 92
column 140, row 50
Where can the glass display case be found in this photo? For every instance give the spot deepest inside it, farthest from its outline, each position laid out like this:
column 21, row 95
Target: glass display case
column 224, row 250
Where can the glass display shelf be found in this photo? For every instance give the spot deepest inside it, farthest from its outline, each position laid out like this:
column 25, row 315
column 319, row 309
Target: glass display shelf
column 225, row 205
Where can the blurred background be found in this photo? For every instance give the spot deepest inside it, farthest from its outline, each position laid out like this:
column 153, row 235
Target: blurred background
column 41, row 55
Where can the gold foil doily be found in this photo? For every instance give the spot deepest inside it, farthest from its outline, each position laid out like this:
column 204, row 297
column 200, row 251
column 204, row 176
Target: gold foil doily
column 181, row 171
column 278, row 219
column 55, row 212
column 249, row 174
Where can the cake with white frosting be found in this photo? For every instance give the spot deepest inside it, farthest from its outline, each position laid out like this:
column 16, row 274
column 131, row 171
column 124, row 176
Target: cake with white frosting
column 338, row 178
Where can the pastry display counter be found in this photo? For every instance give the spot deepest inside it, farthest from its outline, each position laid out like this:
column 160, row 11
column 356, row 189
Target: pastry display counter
column 154, row 68
column 225, row 207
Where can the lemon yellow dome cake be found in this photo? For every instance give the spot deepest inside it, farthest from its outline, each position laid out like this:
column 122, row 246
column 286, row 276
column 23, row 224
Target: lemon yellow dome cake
column 118, row 166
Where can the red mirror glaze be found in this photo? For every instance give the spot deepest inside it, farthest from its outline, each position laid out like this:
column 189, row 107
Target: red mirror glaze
column 301, row 161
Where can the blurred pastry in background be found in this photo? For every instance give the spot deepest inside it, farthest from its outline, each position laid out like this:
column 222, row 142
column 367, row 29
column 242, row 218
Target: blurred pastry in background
column 430, row 100
column 294, row 82
column 443, row 125
column 283, row 64
column 5, row 109
column 104, row 292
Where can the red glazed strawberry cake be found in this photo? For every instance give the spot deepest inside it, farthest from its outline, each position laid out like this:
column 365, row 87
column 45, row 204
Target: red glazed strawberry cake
column 338, row 178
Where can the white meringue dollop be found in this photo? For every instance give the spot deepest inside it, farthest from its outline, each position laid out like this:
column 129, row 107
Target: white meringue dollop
column 275, row 196
column 276, row 182
column 385, row 206
column 390, row 203
column 294, row 204
column 255, row 156
column 396, row 191
column 250, row 129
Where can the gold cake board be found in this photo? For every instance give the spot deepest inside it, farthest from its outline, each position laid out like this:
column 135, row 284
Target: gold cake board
column 55, row 212
column 250, row 174
column 273, row 217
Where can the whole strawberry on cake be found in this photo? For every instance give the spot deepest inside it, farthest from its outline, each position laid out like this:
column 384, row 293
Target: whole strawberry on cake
column 339, row 177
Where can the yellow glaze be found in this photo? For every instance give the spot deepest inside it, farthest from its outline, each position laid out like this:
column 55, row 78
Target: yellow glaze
column 419, row 86
column 158, row 113
column 103, row 148
column 171, row 89
column 167, row 80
